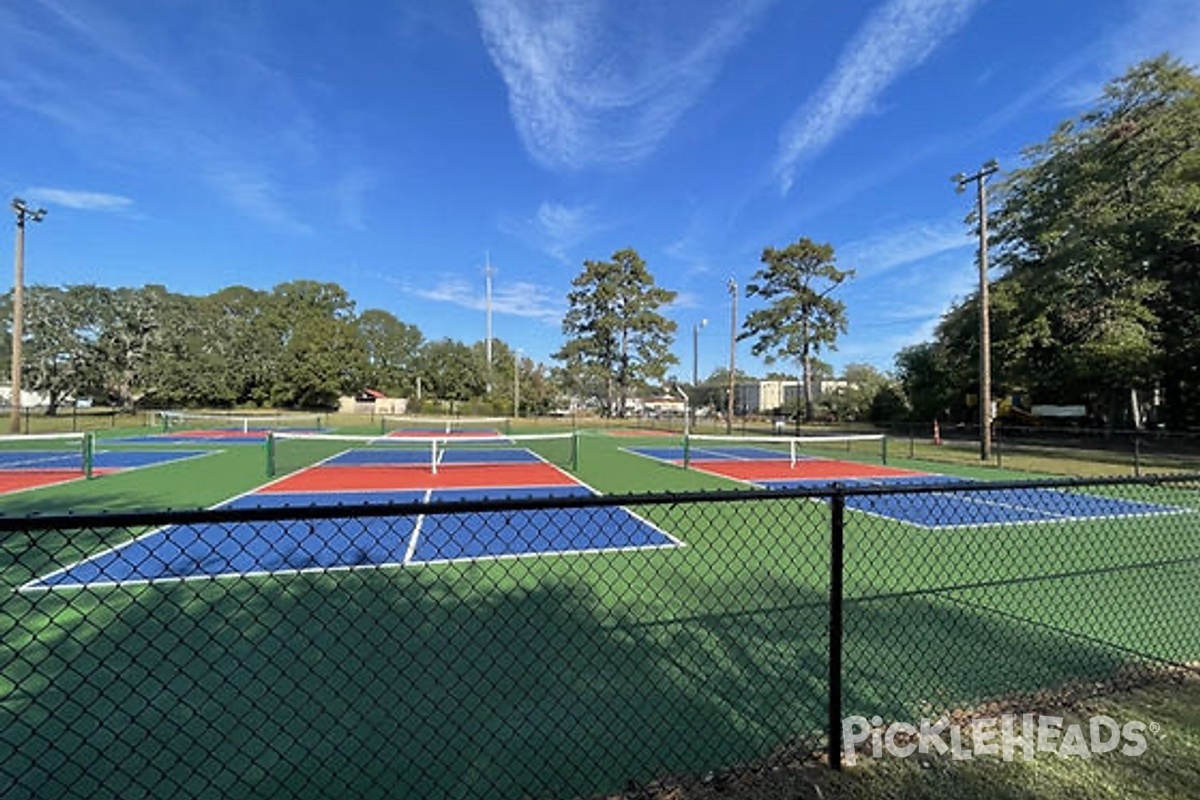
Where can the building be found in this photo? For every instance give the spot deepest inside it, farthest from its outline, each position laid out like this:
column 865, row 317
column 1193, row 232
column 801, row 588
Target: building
column 763, row 397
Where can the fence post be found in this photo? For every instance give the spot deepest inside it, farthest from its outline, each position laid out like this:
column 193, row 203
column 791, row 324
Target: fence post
column 1137, row 455
column 836, row 558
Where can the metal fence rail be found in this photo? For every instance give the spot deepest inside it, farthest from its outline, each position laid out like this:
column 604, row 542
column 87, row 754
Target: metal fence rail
column 561, row 647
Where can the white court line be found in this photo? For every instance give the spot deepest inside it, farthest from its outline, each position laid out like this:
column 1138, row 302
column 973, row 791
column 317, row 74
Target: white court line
column 416, row 532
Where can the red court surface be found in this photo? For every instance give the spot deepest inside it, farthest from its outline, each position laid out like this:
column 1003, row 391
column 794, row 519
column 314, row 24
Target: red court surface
column 20, row 480
column 23, row 480
column 448, row 476
column 808, row 469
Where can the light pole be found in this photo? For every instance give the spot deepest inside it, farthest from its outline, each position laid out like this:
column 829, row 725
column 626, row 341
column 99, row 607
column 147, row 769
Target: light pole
column 733, row 293
column 985, row 336
column 23, row 212
column 696, row 328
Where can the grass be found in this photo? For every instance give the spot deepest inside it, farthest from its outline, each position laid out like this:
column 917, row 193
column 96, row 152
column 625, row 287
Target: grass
column 1169, row 769
column 555, row 676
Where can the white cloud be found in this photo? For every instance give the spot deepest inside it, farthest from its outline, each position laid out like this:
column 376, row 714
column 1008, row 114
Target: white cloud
column 555, row 228
column 881, row 253
column 258, row 198
column 588, row 89
column 1155, row 27
column 519, row 298
column 83, row 201
column 896, row 38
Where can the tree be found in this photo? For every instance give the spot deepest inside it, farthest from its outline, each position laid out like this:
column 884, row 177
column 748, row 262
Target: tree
column 1101, row 240
column 713, row 390
column 801, row 317
column 452, row 370
column 614, row 330
column 62, row 328
column 392, row 350
column 854, row 401
column 130, row 333
column 321, row 355
column 927, row 377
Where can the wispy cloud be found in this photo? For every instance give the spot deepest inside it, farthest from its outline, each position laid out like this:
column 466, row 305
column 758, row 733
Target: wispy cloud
column 519, row 298
column 589, row 86
column 83, row 201
column 134, row 96
column 895, row 38
column 259, row 198
column 878, row 254
column 555, row 228
column 1154, row 27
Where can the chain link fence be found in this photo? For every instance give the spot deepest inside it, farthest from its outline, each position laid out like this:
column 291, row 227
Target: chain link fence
column 539, row 648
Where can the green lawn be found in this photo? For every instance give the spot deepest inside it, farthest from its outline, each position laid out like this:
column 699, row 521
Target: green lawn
column 553, row 676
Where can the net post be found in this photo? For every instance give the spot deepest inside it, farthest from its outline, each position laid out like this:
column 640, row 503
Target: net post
column 270, row 445
column 383, row 424
column 89, row 450
column 433, row 454
column 687, row 451
column 793, row 445
column 575, row 451
column 883, row 448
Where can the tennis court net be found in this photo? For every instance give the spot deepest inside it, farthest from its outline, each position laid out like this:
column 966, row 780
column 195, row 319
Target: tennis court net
column 865, row 447
column 434, row 426
column 47, row 452
column 290, row 452
column 186, row 421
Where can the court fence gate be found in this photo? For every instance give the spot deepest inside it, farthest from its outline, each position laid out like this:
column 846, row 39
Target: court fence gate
column 563, row 667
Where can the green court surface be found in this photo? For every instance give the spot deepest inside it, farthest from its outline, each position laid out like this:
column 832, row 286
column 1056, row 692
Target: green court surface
column 559, row 675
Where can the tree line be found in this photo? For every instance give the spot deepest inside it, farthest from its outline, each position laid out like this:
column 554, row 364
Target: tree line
column 1096, row 246
column 300, row 345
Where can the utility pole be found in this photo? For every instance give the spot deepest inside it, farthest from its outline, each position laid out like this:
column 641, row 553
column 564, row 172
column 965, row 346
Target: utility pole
column 733, row 293
column 23, row 212
column 487, row 295
column 985, row 335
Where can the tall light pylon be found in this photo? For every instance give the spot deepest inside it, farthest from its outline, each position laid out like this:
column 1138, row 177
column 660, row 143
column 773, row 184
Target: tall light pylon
column 487, row 273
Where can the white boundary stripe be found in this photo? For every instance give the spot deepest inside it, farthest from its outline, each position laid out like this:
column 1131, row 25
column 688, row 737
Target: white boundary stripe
column 416, row 533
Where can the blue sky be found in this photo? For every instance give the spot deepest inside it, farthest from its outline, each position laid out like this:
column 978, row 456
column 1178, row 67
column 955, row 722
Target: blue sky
column 391, row 147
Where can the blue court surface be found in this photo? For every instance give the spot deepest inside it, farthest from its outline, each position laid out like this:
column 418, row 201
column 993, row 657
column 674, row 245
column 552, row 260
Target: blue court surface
column 939, row 510
column 943, row 510
column 101, row 459
column 261, row 548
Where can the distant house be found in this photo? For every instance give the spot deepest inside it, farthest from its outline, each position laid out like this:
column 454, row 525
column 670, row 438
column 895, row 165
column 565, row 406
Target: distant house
column 28, row 399
column 372, row 401
column 664, row 406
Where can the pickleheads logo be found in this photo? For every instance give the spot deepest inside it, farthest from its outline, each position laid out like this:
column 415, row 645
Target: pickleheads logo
column 1008, row 736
